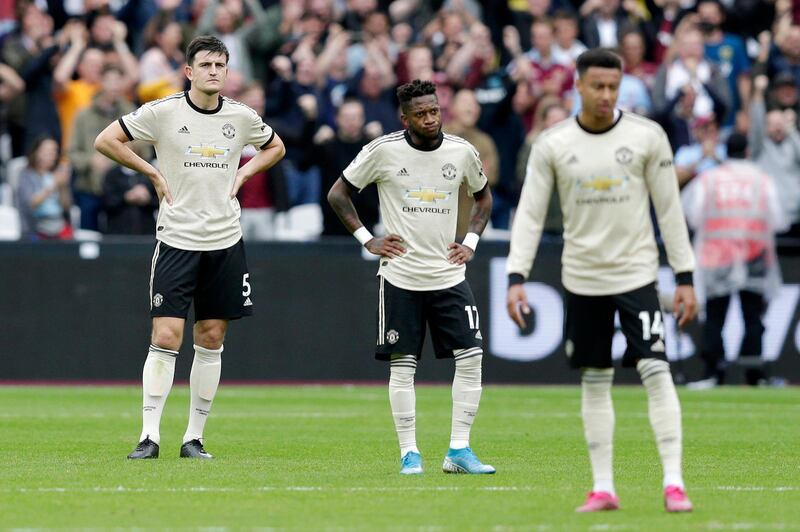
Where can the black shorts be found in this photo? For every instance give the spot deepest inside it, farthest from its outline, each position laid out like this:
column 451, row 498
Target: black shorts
column 589, row 327
column 451, row 315
column 217, row 281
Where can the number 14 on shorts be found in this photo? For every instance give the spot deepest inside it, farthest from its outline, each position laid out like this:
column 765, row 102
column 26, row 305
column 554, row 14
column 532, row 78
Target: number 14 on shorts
column 655, row 329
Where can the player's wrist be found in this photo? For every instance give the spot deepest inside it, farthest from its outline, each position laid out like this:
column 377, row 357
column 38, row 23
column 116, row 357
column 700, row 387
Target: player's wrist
column 363, row 235
column 471, row 241
column 515, row 278
column 684, row 278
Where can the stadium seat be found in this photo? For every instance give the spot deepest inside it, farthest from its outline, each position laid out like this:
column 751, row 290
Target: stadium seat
column 9, row 223
column 14, row 171
column 300, row 223
column 6, row 195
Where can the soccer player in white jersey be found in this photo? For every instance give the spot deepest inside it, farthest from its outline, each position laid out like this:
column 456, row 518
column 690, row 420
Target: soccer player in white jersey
column 198, row 137
column 608, row 166
column 418, row 173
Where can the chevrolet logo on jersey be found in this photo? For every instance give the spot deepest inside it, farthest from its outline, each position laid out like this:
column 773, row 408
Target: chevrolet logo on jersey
column 602, row 183
column 207, row 152
column 427, row 195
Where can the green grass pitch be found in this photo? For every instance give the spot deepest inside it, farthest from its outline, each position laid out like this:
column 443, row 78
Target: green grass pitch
column 325, row 457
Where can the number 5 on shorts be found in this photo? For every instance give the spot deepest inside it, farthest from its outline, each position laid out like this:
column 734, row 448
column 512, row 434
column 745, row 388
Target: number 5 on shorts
column 245, row 285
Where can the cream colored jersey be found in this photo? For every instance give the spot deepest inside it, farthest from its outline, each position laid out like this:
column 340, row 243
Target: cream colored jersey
column 418, row 192
column 605, row 182
column 198, row 154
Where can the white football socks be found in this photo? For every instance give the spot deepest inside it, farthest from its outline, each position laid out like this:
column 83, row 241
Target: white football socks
column 466, row 394
column 203, row 384
column 403, row 401
column 665, row 416
column 597, row 411
column 157, row 375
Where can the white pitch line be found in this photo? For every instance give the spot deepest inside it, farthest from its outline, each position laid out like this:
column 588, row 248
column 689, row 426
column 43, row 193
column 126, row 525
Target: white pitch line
column 758, row 488
column 207, row 489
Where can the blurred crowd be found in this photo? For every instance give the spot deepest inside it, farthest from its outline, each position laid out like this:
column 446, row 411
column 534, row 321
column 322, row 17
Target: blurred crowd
column 323, row 73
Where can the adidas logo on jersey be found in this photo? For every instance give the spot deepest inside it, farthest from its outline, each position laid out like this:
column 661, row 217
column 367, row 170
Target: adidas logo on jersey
column 184, row 129
column 572, row 160
column 248, row 303
column 402, row 173
column 658, row 347
column 478, row 336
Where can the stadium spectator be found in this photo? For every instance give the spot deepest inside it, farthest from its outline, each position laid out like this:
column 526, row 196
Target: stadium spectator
column 728, row 52
column 550, row 113
column 43, row 194
column 706, row 152
column 41, row 116
column 783, row 93
column 464, row 114
column 18, row 50
column 89, row 166
column 735, row 211
column 74, row 95
column 632, row 50
column 293, row 108
column 678, row 115
column 665, row 21
column 606, row 21
column 524, row 14
column 689, row 67
column 129, row 200
column 226, row 20
column 335, row 151
column 566, row 47
column 161, row 66
column 775, row 148
column 536, row 72
column 256, row 197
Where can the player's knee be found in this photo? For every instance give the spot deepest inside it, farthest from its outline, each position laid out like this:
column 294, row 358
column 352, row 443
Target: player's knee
column 468, row 370
column 167, row 338
column 597, row 375
column 650, row 367
column 209, row 336
column 402, row 371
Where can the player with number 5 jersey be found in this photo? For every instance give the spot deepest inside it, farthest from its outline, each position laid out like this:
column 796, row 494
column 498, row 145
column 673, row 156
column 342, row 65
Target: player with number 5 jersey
column 421, row 280
column 199, row 256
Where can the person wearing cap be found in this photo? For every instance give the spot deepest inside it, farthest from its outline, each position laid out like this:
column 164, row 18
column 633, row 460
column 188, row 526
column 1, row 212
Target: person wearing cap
column 705, row 153
column 783, row 93
column 734, row 210
column 775, row 148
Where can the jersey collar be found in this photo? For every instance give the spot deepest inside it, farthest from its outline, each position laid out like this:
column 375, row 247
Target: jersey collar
column 203, row 111
column 411, row 143
column 617, row 117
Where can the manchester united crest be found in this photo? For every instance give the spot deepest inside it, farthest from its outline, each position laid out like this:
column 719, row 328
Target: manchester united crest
column 228, row 131
column 449, row 171
column 624, row 155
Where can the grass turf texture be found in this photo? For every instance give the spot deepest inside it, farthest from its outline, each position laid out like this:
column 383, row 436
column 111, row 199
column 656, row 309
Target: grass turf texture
column 321, row 457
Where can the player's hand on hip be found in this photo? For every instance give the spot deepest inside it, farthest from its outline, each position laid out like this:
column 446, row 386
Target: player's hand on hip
column 517, row 304
column 162, row 189
column 237, row 184
column 685, row 304
column 459, row 253
column 389, row 246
